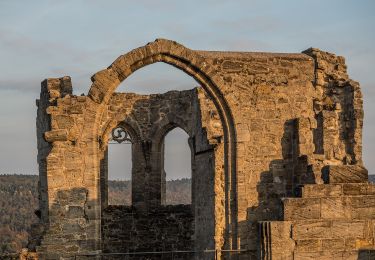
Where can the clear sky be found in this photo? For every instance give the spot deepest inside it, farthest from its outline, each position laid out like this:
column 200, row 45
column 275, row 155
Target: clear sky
column 41, row 39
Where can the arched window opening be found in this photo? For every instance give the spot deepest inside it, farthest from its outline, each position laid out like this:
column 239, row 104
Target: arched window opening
column 119, row 167
column 177, row 167
column 150, row 116
column 176, row 187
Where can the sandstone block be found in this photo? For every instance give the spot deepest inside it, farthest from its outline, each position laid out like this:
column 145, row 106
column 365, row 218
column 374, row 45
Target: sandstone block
column 301, row 208
column 308, row 245
column 311, row 229
column 335, row 208
column 348, row 228
column 363, row 207
column 56, row 135
column 336, row 244
column 344, row 174
column 321, row 190
column 358, row 189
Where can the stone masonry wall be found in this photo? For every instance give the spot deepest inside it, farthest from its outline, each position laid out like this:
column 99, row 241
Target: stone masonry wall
column 148, row 118
column 271, row 98
column 166, row 228
column 283, row 119
column 331, row 220
column 70, row 197
column 294, row 115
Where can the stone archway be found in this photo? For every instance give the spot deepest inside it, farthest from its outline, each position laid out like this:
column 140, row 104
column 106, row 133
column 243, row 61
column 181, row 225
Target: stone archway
column 106, row 81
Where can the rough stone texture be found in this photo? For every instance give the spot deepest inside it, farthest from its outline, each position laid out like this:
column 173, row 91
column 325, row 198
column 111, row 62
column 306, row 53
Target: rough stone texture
column 263, row 130
column 329, row 221
column 148, row 118
column 344, row 174
column 276, row 242
column 167, row 227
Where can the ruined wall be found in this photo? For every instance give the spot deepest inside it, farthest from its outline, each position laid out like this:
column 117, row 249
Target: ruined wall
column 270, row 95
column 50, row 91
column 334, row 219
column 165, row 228
column 148, row 118
column 339, row 105
column 282, row 119
column 293, row 115
column 66, row 205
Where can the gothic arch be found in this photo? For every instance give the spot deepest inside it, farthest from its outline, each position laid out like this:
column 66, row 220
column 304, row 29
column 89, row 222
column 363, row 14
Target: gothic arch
column 161, row 130
column 191, row 62
column 159, row 136
column 130, row 126
column 134, row 135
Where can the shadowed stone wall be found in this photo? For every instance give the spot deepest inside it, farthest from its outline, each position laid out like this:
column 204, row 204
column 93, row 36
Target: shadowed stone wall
column 148, row 118
column 263, row 128
column 164, row 228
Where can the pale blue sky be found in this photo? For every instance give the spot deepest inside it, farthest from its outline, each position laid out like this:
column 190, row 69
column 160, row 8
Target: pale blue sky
column 40, row 39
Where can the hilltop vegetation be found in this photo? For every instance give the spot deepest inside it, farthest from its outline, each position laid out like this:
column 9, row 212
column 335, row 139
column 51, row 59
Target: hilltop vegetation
column 19, row 200
column 178, row 192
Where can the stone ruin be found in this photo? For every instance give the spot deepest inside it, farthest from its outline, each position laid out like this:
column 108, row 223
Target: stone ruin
column 276, row 153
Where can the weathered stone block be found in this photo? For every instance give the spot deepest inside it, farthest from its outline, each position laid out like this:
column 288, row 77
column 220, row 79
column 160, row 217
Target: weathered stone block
column 56, row 135
column 301, row 208
column 347, row 229
column 362, row 201
column 321, row 190
column 363, row 213
column 344, row 174
column 336, row 244
column 308, row 245
column 311, row 229
column 358, row 189
column 335, row 208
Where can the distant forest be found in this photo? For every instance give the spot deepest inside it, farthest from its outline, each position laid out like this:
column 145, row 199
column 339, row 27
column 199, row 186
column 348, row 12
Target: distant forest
column 19, row 200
